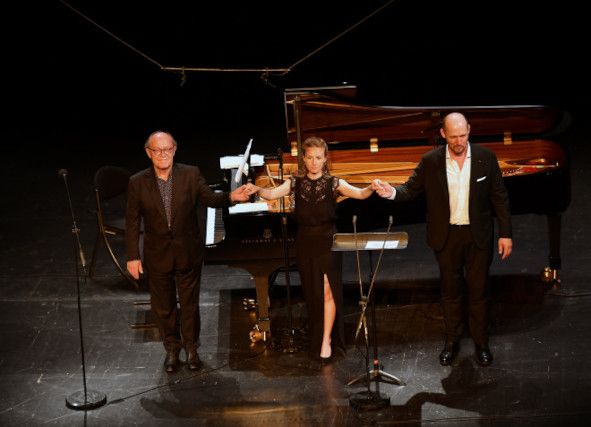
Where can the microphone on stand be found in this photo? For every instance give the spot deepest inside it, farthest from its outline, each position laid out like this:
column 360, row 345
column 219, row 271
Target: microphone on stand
column 64, row 174
column 280, row 158
column 83, row 399
column 363, row 298
column 82, row 258
column 354, row 220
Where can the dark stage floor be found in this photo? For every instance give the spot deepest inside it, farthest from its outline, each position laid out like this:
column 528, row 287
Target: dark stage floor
column 540, row 337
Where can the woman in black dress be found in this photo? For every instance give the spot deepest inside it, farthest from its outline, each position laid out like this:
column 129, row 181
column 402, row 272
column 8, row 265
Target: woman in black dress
column 315, row 192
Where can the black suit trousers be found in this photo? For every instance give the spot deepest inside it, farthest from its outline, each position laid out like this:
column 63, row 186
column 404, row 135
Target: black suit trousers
column 164, row 288
column 464, row 271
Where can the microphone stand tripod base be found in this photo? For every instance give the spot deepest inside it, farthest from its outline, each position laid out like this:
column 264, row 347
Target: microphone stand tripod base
column 368, row 401
column 377, row 374
column 93, row 399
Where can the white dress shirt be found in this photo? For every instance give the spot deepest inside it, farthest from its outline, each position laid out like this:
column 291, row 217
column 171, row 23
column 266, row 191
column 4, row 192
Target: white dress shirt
column 458, row 187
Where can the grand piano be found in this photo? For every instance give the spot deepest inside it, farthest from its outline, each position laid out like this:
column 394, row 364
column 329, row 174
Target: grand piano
column 387, row 142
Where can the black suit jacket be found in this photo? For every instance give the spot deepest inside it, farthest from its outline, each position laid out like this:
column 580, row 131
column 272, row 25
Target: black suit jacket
column 182, row 245
column 488, row 196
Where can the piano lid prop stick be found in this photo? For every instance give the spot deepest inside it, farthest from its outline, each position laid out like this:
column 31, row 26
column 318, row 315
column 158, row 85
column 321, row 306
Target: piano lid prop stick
column 241, row 169
column 269, row 176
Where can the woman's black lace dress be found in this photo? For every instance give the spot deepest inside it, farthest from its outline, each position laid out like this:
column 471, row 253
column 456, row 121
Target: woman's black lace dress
column 315, row 211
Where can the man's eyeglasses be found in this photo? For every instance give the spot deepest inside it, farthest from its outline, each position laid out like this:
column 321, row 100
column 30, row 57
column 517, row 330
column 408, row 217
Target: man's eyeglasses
column 161, row 151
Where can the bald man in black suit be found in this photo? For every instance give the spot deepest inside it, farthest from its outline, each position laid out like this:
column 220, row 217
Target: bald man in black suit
column 464, row 189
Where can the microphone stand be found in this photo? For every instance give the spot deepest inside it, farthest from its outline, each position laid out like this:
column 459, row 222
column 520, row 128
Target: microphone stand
column 82, row 399
column 287, row 340
column 363, row 305
column 362, row 298
column 372, row 400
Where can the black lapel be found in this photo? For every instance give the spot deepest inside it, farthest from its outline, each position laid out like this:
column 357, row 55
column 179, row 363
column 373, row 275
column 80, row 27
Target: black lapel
column 477, row 169
column 442, row 171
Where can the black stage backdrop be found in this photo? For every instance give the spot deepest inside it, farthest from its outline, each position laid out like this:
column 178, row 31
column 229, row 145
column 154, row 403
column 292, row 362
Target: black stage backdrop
column 72, row 87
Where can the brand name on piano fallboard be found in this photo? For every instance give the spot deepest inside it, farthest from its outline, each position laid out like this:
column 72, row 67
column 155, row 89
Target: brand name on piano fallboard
column 266, row 241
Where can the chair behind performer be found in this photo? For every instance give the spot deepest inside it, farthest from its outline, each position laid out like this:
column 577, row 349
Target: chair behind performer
column 110, row 186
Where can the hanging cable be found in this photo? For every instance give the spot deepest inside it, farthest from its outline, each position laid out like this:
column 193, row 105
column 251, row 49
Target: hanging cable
column 266, row 71
column 331, row 41
column 113, row 35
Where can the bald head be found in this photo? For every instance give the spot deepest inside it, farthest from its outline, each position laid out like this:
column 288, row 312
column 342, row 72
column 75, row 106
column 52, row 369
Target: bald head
column 455, row 121
column 456, row 130
column 160, row 148
column 159, row 135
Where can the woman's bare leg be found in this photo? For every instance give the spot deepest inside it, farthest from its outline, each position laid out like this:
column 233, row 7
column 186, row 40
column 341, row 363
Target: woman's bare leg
column 330, row 310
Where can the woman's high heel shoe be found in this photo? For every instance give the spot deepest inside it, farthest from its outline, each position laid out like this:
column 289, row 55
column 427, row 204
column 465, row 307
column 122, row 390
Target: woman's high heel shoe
column 326, row 360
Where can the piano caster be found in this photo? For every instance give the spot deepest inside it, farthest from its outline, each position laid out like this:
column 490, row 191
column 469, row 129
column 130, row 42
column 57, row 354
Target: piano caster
column 550, row 277
column 249, row 304
column 257, row 335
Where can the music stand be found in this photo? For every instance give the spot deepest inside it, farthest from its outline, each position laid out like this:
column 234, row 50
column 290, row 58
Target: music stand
column 346, row 242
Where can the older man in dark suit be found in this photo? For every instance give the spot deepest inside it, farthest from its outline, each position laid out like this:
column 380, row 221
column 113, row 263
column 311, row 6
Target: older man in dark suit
column 464, row 189
column 166, row 196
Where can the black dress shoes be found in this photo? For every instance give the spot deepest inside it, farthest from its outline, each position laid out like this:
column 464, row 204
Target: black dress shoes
column 172, row 361
column 193, row 361
column 449, row 352
column 483, row 355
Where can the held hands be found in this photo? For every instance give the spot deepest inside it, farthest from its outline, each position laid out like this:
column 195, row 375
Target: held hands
column 135, row 268
column 505, row 247
column 382, row 188
column 252, row 189
column 241, row 194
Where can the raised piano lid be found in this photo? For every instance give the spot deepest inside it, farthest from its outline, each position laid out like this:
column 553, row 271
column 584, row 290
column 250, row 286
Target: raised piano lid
column 534, row 164
column 333, row 114
column 403, row 134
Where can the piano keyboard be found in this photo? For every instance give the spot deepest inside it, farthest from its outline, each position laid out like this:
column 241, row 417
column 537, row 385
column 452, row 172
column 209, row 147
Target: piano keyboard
column 215, row 231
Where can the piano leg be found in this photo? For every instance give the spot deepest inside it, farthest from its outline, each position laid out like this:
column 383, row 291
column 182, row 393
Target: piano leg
column 262, row 329
column 550, row 273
